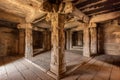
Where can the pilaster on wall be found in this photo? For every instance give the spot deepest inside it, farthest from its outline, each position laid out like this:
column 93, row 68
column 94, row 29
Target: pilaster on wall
column 28, row 39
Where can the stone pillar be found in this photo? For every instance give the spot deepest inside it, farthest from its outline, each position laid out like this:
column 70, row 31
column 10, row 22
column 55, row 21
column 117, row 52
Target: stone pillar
column 86, row 40
column 28, row 39
column 79, row 38
column 93, row 34
column 58, row 64
column 71, row 40
column 68, row 40
column 45, row 40
column 48, row 40
column 21, row 41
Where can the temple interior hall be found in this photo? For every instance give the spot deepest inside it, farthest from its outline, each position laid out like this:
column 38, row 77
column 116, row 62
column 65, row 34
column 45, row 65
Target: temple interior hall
column 59, row 39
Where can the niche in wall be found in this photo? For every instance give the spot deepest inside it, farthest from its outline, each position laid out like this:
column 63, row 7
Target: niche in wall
column 37, row 39
column 77, row 38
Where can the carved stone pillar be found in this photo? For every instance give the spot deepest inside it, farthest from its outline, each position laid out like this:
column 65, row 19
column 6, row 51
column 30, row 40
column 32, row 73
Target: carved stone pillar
column 68, row 40
column 86, row 39
column 58, row 64
column 28, row 39
column 80, row 38
column 45, row 40
column 71, row 41
column 93, row 33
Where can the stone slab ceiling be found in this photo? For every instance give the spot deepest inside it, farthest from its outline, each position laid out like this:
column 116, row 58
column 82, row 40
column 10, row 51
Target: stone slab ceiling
column 95, row 7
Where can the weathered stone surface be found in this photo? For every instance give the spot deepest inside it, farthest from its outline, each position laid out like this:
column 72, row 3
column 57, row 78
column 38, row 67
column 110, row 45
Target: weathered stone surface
column 57, row 65
column 93, row 39
column 110, row 37
column 21, row 41
column 86, row 40
column 28, row 39
column 8, row 41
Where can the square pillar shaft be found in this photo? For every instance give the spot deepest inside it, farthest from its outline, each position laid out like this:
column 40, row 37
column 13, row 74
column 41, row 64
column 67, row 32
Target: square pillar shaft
column 86, row 39
column 58, row 64
column 68, row 40
column 28, row 39
column 93, row 34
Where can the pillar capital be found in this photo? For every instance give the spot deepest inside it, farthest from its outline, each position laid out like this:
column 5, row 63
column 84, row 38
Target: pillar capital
column 92, row 25
column 24, row 26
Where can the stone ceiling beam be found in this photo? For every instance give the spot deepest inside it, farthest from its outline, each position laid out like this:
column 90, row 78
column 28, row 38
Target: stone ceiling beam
column 105, row 17
column 80, row 15
column 10, row 17
column 28, row 11
column 92, row 4
column 103, row 11
column 68, row 25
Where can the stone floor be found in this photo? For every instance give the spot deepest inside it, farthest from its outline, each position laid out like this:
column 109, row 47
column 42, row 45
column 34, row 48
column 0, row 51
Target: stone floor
column 73, row 58
column 103, row 67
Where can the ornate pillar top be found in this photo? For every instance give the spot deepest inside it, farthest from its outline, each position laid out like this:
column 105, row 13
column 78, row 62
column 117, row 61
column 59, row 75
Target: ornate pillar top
column 24, row 26
column 58, row 6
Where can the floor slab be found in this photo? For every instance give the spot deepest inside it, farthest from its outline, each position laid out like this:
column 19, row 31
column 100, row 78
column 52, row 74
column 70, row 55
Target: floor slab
column 102, row 67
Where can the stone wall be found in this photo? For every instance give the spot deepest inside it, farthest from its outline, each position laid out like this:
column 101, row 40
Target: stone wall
column 109, row 38
column 8, row 41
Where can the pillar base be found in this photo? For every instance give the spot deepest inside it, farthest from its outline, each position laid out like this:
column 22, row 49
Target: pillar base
column 86, row 55
column 54, row 69
column 53, row 75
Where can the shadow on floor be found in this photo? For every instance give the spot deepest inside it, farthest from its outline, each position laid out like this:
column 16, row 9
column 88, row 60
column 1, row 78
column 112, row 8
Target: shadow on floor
column 9, row 59
column 111, row 59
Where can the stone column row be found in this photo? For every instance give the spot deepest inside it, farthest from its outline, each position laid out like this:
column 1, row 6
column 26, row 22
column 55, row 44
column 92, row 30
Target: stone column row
column 68, row 42
column 58, row 64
